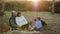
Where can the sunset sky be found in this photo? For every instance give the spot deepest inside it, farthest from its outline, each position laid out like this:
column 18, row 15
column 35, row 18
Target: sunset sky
column 30, row 0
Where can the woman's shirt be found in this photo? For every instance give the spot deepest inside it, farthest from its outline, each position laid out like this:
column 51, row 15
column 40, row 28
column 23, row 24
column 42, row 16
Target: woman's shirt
column 21, row 21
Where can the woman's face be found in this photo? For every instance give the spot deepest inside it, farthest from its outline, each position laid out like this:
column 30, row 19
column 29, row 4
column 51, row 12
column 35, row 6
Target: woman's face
column 19, row 14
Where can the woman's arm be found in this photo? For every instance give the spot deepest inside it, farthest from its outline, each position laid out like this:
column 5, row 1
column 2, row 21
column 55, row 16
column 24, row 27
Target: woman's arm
column 25, row 20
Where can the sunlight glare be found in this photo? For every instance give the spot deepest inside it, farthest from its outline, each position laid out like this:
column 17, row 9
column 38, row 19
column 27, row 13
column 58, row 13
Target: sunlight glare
column 35, row 0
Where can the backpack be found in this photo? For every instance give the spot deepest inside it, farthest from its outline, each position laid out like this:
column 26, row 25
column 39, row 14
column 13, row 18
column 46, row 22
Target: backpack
column 43, row 23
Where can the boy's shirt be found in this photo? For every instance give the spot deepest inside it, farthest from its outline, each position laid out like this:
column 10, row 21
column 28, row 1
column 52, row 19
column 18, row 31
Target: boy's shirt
column 38, row 24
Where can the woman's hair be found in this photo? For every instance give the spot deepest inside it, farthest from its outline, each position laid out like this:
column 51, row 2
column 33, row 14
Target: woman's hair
column 18, row 14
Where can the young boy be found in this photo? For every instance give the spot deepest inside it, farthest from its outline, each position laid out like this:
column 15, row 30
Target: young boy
column 38, row 24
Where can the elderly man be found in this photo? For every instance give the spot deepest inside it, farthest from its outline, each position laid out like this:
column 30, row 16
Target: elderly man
column 12, row 21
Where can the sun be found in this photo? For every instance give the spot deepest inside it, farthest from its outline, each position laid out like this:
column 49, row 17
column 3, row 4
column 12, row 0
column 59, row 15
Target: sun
column 35, row 4
column 35, row 0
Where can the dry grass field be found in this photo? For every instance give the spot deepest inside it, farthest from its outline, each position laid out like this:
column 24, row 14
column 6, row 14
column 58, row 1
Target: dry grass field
column 53, row 21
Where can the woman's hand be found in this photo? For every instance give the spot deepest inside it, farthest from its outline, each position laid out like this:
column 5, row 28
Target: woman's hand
column 19, row 28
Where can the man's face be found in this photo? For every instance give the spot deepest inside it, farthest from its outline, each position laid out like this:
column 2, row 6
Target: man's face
column 14, row 13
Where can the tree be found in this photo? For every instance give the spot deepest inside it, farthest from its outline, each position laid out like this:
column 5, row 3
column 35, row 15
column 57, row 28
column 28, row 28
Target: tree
column 53, row 4
column 57, row 7
column 1, row 8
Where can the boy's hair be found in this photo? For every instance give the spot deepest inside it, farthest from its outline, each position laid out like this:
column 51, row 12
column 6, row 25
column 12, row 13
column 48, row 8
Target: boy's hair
column 38, row 18
column 34, row 19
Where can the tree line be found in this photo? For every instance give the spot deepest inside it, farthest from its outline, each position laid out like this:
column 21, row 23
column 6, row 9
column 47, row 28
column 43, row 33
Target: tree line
column 28, row 6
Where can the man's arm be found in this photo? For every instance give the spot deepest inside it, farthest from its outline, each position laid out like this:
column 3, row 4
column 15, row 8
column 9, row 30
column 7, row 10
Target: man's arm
column 12, row 23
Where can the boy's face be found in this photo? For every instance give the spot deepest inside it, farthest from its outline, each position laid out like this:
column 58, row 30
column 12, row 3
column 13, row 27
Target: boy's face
column 36, row 19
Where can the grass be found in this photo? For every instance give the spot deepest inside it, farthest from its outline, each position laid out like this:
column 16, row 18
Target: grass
column 53, row 21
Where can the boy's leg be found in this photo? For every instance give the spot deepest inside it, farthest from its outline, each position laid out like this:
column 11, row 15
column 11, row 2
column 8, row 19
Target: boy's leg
column 36, row 29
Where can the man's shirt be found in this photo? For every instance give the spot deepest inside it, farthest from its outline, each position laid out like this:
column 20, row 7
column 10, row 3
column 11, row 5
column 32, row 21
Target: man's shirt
column 12, row 21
